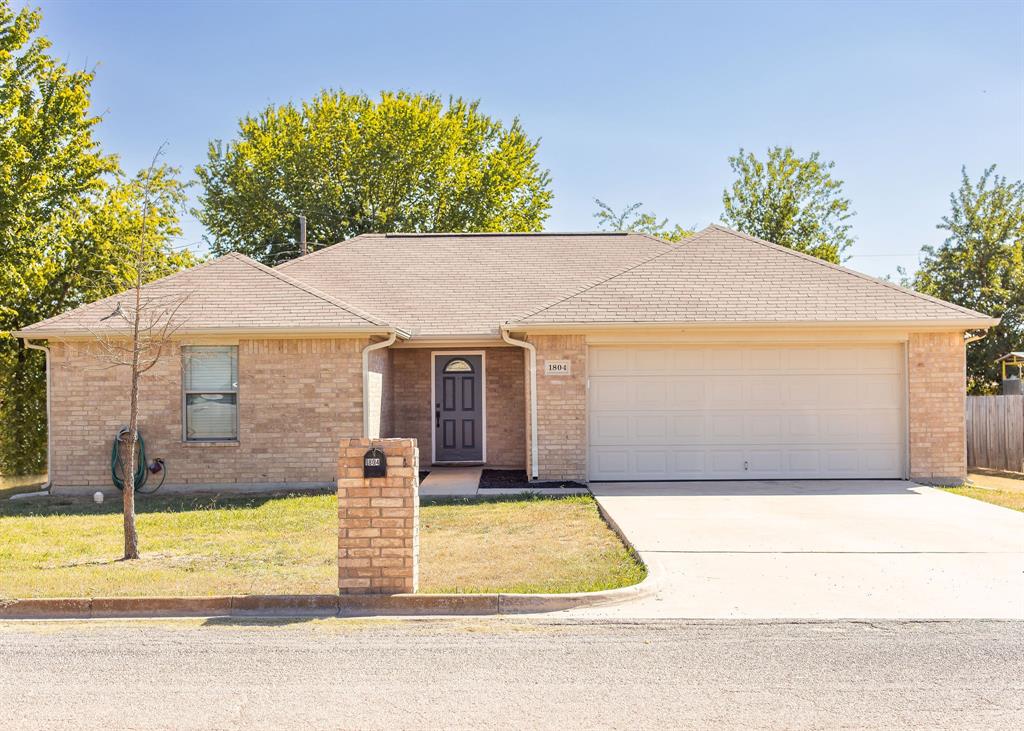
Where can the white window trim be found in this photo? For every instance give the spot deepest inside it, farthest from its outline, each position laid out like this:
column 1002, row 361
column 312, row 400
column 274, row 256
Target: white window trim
column 434, row 354
column 185, row 392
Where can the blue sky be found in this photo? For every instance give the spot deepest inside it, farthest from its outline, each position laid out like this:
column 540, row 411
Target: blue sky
column 633, row 102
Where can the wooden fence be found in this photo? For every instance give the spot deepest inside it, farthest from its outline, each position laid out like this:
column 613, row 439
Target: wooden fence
column 995, row 432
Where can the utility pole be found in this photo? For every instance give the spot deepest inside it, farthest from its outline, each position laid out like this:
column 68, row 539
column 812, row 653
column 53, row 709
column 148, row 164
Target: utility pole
column 303, row 247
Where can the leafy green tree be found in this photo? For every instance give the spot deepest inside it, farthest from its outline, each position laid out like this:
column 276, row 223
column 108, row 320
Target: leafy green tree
column 790, row 201
column 62, row 207
column 980, row 265
column 352, row 165
column 631, row 218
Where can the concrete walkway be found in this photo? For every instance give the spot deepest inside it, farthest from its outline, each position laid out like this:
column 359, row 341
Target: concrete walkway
column 823, row 550
column 451, row 482
column 465, row 482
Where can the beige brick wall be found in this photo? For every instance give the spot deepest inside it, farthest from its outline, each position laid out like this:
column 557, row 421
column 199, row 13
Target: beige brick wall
column 506, row 398
column 561, row 409
column 937, row 394
column 297, row 399
column 380, row 393
column 378, row 519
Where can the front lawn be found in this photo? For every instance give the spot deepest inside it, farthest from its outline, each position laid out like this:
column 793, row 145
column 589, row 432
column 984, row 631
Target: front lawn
column 1003, row 498
column 212, row 545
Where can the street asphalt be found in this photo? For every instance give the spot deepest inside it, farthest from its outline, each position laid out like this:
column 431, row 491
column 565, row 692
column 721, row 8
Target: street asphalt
column 511, row 673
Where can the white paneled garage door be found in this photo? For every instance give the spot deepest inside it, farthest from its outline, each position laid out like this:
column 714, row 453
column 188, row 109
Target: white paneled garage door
column 713, row 412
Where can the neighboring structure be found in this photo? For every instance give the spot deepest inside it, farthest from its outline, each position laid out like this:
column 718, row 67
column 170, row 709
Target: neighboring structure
column 1013, row 368
column 611, row 356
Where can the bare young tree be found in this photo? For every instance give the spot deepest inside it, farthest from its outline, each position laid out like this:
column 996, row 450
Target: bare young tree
column 138, row 333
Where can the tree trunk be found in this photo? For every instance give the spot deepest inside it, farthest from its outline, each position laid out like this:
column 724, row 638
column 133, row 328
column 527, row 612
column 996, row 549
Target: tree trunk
column 131, row 537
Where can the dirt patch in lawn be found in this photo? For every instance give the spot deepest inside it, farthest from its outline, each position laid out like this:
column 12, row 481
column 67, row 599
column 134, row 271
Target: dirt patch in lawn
column 287, row 544
column 997, row 480
column 16, row 484
column 517, row 480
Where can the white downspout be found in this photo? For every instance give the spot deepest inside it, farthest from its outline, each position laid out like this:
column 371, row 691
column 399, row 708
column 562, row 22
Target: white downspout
column 534, row 470
column 49, row 421
column 366, row 378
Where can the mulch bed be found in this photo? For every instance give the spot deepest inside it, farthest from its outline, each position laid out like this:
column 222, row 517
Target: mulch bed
column 517, row 480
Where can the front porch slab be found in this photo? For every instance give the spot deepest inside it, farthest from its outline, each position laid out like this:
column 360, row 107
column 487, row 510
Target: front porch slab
column 451, row 482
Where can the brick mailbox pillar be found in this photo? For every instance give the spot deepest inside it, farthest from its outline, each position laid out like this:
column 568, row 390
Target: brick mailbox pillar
column 378, row 518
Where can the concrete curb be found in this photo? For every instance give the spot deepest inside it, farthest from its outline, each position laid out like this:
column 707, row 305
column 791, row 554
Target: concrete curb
column 316, row 605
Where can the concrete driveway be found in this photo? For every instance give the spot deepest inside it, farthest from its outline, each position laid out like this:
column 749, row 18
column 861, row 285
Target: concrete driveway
column 819, row 549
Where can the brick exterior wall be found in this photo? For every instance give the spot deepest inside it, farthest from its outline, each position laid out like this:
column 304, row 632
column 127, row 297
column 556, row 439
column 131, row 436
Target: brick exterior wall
column 380, row 393
column 561, row 409
column 299, row 397
column 506, row 402
column 937, row 395
column 378, row 519
column 296, row 400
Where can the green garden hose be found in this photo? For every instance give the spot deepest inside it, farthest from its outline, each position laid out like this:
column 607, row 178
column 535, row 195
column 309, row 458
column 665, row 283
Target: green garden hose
column 142, row 470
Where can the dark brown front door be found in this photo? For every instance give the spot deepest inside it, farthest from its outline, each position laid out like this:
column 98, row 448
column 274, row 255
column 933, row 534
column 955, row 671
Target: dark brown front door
column 458, row 411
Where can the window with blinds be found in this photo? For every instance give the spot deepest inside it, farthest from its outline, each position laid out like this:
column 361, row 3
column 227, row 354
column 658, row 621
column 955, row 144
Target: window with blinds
column 210, row 393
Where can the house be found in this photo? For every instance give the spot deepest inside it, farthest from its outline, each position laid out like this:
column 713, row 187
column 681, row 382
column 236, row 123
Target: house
column 598, row 356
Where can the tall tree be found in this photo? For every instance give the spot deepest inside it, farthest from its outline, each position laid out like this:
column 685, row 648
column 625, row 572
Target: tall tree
column 352, row 165
column 62, row 206
column 50, row 170
column 791, row 201
column 631, row 218
column 980, row 265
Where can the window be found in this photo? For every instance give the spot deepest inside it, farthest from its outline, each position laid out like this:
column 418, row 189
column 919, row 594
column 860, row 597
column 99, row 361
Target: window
column 458, row 365
column 210, row 400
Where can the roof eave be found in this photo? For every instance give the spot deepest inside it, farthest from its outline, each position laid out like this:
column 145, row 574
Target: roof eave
column 229, row 331
column 944, row 324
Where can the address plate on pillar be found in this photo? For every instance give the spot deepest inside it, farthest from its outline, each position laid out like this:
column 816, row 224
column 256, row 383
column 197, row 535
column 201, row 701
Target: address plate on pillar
column 375, row 464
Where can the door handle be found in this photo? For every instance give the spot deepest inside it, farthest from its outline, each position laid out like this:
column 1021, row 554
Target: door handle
column 437, row 416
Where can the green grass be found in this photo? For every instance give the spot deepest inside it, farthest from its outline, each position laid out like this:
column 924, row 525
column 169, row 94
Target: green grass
column 212, row 545
column 521, row 545
column 1002, row 498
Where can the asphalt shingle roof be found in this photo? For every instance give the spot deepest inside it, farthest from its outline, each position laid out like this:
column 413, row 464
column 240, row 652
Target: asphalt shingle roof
column 232, row 292
column 470, row 284
column 720, row 275
column 466, row 284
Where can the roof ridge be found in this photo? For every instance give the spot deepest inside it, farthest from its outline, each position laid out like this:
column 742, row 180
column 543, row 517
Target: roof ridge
column 453, row 234
column 312, row 290
column 327, row 247
column 847, row 270
column 671, row 248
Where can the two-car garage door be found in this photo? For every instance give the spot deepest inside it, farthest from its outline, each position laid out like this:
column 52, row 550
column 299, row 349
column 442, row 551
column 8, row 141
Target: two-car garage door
column 716, row 412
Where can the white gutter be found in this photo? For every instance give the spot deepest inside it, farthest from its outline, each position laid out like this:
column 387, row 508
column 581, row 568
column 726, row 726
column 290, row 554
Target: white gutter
column 366, row 377
column 534, row 469
column 49, row 422
column 283, row 331
column 916, row 325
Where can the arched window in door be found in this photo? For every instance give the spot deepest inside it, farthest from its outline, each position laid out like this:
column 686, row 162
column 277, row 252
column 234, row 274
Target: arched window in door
column 458, row 365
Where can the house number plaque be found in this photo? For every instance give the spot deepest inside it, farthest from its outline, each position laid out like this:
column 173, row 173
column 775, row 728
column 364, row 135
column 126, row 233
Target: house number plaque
column 375, row 464
column 557, row 367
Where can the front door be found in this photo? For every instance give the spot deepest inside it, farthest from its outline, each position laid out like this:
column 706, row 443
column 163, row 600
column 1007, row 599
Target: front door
column 458, row 408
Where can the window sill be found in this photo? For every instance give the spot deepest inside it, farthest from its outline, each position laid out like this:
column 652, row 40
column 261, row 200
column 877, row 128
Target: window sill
column 185, row 443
